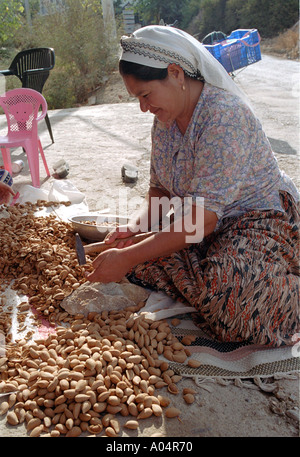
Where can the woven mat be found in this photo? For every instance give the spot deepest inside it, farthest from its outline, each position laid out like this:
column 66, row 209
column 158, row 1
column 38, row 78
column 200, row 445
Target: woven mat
column 232, row 360
column 221, row 361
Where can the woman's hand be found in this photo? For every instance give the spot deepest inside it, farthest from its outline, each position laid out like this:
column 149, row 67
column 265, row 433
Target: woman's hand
column 121, row 233
column 6, row 194
column 110, row 266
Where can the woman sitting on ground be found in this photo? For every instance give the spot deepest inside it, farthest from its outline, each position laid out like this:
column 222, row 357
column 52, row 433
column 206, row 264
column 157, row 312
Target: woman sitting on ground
column 238, row 265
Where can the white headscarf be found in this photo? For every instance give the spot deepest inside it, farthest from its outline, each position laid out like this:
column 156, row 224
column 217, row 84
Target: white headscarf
column 157, row 46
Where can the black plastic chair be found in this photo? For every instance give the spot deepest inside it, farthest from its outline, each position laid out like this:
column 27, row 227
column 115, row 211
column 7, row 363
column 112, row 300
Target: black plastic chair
column 32, row 67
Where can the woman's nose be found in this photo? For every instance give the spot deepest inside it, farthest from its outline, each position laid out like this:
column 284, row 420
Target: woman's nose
column 144, row 106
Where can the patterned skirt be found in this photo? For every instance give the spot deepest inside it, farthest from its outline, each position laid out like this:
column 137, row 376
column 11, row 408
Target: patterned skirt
column 243, row 279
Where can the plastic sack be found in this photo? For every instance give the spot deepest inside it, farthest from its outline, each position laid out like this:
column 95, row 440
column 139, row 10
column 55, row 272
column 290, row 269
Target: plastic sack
column 60, row 191
column 32, row 194
column 64, row 190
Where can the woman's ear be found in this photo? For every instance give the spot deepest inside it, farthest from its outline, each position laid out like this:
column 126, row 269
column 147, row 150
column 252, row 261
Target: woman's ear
column 176, row 72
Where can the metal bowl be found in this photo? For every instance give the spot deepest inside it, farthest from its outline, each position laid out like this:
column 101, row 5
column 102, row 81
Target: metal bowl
column 96, row 227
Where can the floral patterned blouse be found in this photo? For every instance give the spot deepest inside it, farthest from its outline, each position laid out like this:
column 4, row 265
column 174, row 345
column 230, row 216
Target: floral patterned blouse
column 224, row 157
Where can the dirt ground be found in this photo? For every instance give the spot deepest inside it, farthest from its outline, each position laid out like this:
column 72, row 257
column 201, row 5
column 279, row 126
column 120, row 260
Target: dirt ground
column 96, row 140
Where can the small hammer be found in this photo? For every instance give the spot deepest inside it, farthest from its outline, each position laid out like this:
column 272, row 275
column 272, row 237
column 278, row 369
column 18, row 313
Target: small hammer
column 102, row 246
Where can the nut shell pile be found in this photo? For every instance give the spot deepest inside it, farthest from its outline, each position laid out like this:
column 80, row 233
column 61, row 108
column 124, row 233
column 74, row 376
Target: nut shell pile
column 39, row 255
column 91, row 370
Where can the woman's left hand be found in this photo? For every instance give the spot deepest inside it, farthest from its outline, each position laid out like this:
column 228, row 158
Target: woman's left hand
column 110, row 266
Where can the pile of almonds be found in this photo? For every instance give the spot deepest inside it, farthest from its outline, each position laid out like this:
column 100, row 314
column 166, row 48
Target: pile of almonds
column 91, row 370
column 80, row 378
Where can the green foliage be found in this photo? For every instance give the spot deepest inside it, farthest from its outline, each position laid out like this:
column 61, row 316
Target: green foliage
column 200, row 17
column 10, row 18
column 213, row 12
column 83, row 54
column 152, row 11
column 270, row 17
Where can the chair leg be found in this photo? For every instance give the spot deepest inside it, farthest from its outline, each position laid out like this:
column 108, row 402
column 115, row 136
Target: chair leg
column 43, row 158
column 34, row 166
column 49, row 127
column 6, row 159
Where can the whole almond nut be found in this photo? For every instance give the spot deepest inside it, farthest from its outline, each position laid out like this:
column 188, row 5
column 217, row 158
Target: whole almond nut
column 148, row 402
column 131, row 424
column 109, row 431
column 69, row 393
column 113, row 409
column 188, row 390
column 107, row 356
column 81, row 397
column 75, row 431
column 4, row 407
column 175, row 322
column 12, row 418
column 99, row 407
column 115, row 379
column 189, row 398
column 115, row 425
column 80, row 385
column 160, row 384
column 103, row 396
column 161, row 336
column 176, row 378
column 153, row 379
column 37, row 431
column 172, row 412
column 69, row 423
column 180, row 357
column 164, row 401
column 187, row 341
column 59, row 400
column 194, row 363
column 90, row 364
column 132, row 408
column 157, row 410
column 145, row 413
column 86, row 406
column 168, row 354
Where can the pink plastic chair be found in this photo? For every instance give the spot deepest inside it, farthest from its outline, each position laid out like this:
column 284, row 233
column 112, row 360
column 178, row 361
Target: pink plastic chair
column 21, row 107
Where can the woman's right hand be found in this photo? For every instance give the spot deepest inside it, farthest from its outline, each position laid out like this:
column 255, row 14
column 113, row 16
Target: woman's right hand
column 121, row 233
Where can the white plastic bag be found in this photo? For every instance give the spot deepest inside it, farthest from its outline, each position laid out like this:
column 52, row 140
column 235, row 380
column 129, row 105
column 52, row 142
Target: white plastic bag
column 32, row 194
column 60, row 191
column 64, row 190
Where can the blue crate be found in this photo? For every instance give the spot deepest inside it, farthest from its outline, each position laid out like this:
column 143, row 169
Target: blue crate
column 240, row 49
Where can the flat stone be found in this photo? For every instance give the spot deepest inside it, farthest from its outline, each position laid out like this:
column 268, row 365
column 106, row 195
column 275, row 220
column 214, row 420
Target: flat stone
column 98, row 297
column 129, row 173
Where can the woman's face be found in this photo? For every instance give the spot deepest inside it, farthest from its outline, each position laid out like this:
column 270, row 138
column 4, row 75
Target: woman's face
column 163, row 98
